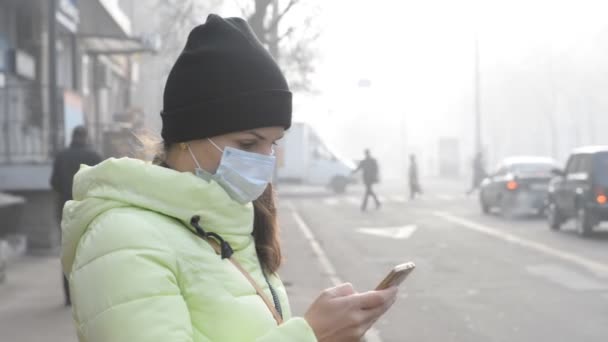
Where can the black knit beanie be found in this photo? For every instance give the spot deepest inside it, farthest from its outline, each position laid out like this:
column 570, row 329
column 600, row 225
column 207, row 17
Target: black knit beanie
column 224, row 81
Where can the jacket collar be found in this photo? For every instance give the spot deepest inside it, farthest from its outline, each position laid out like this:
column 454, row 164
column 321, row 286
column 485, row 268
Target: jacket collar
column 180, row 195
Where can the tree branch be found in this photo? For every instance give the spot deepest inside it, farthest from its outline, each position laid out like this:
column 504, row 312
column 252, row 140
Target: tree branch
column 256, row 19
column 276, row 20
column 179, row 16
column 287, row 33
column 242, row 8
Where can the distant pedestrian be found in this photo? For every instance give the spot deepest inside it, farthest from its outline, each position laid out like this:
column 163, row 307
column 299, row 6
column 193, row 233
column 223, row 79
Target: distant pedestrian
column 479, row 172
column 369, row 167
column 67, row 163
column 414, row 181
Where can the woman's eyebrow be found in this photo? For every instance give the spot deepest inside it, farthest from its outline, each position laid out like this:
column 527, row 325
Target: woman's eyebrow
column 257, row 135
column 261, row 137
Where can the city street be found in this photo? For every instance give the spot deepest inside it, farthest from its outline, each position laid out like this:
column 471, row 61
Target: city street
column 478, row 278
column 127, row 125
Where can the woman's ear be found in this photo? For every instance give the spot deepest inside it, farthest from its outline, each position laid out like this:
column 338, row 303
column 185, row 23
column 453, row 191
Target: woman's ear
column 206, row 155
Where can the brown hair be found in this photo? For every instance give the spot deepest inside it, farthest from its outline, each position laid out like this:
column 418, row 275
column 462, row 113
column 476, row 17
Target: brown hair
column 266, row 232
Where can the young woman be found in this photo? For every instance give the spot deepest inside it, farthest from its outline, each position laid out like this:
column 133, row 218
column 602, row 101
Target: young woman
column 187, row 250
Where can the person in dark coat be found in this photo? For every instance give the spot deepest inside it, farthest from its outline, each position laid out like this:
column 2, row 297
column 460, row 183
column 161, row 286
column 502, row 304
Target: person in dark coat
column 369, row 167
column 65, row 166
column 414, row 181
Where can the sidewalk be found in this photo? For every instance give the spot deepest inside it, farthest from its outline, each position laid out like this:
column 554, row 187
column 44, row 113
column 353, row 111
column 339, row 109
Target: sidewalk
column 31, row 303
column 31, row 298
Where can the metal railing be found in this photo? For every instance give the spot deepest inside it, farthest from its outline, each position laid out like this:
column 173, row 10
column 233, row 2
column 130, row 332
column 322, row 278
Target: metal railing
column 25, row 127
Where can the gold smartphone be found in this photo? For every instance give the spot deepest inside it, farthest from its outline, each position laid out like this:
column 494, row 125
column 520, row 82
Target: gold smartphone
column 396, row 276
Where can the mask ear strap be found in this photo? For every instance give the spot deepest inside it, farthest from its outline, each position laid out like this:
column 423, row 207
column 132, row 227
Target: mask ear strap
column 214, row 145
column 193, row 157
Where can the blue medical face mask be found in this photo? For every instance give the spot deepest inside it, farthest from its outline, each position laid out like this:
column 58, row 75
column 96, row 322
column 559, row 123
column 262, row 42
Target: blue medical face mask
column 243, row 175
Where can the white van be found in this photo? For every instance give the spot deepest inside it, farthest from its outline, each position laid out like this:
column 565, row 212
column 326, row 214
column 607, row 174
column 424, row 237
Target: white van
column 303, row 157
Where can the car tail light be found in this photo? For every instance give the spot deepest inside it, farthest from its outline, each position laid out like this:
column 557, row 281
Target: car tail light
column 512, row 185
column 600, row 196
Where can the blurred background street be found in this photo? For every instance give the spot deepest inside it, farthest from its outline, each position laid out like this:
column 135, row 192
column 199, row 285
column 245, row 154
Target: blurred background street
column 479, row 278
column 484, row 123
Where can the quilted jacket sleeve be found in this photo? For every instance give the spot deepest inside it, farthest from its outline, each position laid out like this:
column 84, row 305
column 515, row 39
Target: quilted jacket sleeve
column 124, row 285
column 125, row 288
column 294, row 330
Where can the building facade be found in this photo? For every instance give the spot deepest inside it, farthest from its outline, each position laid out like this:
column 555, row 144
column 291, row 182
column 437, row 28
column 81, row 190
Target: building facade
column 63, row 63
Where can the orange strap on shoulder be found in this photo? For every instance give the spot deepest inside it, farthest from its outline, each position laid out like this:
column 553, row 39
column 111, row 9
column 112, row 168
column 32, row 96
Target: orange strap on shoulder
column 257, row 288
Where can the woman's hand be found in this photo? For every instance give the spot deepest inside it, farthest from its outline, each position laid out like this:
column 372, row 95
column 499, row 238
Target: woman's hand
column 340, row 314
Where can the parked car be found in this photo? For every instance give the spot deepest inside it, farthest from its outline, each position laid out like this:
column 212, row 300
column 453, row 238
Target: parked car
column 519, row 185
column 580, row 191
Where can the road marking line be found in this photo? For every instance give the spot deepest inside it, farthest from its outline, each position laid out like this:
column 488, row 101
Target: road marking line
column 445, row 197
column 372, row 334
column 390, row 232
column 327, row 266
column 593, row 266
column 566, row 277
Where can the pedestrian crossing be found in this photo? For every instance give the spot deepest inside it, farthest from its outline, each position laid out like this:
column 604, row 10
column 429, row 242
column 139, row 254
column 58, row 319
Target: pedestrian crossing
column 395, row 199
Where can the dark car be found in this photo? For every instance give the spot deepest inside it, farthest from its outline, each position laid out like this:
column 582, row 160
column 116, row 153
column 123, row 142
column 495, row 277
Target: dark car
column 519, row 186
column 580, row 192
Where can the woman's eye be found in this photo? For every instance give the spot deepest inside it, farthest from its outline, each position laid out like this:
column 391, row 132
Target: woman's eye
column 246, row 145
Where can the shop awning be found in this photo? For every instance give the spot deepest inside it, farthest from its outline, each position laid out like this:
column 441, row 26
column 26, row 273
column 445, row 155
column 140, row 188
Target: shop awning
column 105, row 29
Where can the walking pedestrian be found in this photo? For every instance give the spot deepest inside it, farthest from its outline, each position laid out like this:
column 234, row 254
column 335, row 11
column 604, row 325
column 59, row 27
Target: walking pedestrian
column 414, row 181
column 188, row 250
column 65, row 166
column 369, row 168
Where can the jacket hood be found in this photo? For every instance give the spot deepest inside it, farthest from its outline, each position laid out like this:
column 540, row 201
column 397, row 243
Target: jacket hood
column 127, row 182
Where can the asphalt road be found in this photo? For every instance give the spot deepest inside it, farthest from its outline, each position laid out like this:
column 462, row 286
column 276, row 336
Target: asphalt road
column 478, row 277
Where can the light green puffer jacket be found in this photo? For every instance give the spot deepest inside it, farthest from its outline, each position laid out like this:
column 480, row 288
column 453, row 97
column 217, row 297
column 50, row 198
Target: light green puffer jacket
column 138, row 273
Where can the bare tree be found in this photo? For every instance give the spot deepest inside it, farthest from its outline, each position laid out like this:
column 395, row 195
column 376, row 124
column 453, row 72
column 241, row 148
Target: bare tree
column 180, row 16
column 292, row 46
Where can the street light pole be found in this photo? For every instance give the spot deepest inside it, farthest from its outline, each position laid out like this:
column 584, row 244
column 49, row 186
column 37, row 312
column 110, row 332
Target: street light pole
column 6, row 126
column 478, row 142
column 53, row 94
